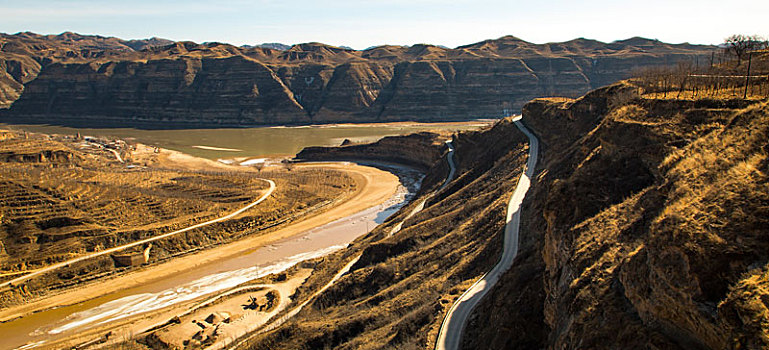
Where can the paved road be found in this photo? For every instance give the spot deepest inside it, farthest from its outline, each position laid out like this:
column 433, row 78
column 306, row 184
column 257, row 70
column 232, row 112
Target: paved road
column 452, row 166
column 421, row 205
column 277, row 323
column 450, row 335
column 21, row 279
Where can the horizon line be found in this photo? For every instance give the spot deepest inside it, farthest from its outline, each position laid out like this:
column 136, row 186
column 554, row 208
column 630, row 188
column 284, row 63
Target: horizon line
column 346, row 46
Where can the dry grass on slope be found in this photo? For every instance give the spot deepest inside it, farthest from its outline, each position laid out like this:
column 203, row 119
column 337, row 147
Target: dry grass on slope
column 59, row 201
column 712, row 235
column 399, row 291
column 655, row 222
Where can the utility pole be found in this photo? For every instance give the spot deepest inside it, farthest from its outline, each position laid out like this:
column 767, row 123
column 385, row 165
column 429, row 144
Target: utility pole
column 747, row 76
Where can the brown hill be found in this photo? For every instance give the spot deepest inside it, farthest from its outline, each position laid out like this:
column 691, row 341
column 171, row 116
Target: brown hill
column 645, row 228
column 75, row 79
column 63, row 197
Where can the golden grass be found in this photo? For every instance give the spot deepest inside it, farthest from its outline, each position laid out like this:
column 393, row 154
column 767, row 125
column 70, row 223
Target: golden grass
column 55, row 208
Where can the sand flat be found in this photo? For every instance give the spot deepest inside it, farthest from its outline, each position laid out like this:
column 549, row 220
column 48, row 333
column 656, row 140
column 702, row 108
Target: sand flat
column 374, row 186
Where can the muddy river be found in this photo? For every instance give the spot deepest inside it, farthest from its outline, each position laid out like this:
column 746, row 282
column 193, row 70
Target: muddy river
column 40, row 328
column 255, row 142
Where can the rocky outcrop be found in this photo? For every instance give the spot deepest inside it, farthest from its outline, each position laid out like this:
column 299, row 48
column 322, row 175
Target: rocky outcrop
column 54, row 156
column 71, row 79
column 421, row 150
column 644, row 228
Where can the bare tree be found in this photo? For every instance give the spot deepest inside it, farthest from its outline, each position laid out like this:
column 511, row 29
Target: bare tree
column 740, row 44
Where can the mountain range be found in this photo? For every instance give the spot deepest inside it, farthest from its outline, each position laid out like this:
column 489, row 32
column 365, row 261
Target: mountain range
column 74, row 79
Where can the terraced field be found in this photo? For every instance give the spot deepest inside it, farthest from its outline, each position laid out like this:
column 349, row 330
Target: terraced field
column 59, row 199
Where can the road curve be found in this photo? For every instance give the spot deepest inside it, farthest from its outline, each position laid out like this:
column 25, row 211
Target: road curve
column 421, row 205
column 277, row 323
column 21, row 279
column 450, row 334
column 117, row 155
column 452, row 166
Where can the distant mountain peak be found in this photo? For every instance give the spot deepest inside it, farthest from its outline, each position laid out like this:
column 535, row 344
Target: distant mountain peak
column 637, row 40
column 143, row 44
column 316, row 46
column 508, row 38
column 274, row 46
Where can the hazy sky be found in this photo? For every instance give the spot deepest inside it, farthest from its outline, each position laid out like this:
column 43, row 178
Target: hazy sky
column 364, row 23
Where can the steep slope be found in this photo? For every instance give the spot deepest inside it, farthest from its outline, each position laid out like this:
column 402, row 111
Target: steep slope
column 187, row 91
column 397, row 292
column 416, row 150
column 648, row 228
column 645, row 228
column 70, row 79
column 23, row 55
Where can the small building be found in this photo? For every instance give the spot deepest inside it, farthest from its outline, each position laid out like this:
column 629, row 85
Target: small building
column 132, row 259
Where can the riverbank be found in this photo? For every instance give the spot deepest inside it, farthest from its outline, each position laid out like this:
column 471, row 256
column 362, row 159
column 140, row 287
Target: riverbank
column 259, row 142
column 373, row 186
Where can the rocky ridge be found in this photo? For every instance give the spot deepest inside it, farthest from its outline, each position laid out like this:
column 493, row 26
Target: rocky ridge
column 421, row 150
column 644, row 228
column 73, row 79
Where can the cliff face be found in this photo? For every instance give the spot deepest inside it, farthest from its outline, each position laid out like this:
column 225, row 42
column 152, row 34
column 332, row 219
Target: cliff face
column 24, row 55
column 71, row 79
column 395, row 296
column 421, row 150
column 185, row 91
column 646, row 227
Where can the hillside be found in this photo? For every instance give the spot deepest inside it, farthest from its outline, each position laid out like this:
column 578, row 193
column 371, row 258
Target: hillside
column 397, row 292
column 62, row 197
column 86, row 80
column 420, row 150
column 645, row 228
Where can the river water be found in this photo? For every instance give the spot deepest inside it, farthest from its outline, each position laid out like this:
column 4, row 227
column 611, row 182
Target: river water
column 254, row 142
column 37, row 329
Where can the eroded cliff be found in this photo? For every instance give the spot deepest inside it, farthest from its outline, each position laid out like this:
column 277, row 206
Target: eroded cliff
column 647, row 227
column 71, row 79
column 421, row 150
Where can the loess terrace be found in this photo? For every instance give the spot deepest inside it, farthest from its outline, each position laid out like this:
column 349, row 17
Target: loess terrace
column 62, row 197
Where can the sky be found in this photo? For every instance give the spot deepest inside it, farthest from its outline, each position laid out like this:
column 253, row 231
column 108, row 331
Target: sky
column 363, row 23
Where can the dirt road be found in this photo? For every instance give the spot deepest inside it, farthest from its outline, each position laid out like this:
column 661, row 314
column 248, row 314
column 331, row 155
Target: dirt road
column 373, row 186
column 19, row 280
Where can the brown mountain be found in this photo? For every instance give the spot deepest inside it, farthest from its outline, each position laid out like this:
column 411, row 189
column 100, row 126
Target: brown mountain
column 78, row 79
column 644, row 228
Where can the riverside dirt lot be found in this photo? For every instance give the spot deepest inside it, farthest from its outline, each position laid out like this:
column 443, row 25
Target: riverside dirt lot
column 371, row 186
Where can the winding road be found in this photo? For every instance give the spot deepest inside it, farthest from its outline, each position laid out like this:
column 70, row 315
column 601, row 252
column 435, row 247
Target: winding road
column 117, row 155
column 421, row 205
column 19, row 280
column 277, row 323
column 450, row 334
